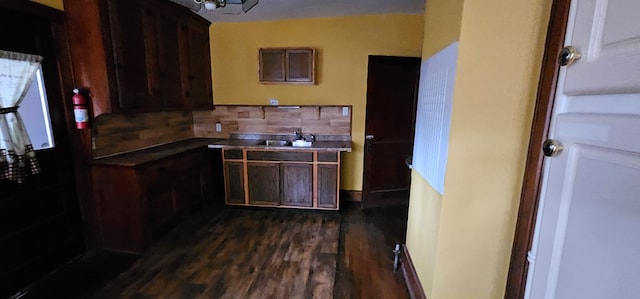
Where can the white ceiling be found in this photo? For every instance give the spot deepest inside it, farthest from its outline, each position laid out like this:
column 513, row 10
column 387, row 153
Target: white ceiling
column 294, row 9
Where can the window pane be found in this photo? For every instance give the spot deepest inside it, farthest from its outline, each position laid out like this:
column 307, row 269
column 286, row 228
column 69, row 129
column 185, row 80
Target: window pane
column 34, row 111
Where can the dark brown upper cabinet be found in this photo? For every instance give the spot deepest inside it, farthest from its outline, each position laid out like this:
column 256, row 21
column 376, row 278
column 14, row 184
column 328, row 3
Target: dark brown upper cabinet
column 140, row 55
column 287, row 65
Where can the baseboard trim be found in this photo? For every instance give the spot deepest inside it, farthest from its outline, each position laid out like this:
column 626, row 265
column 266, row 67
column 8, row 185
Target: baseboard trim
column 351, row 195
column 411, row 276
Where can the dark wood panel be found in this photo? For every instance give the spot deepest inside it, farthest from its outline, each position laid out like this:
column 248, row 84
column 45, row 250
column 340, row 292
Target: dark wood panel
column 162, row 29
column 139, row 48
column 264, row 183
column 119, row 209
column 296, row 184
column 135, row 205
column 280, row 156
column 135, row 93
column 272, row 65
column 233, row 154
column 234, row 182
column 328, row 156
column 327, row 186
column 200, row 90
column 300, row 65
column 392, row 89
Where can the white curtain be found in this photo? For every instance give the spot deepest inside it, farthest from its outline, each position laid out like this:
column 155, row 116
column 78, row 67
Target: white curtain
column 17, row 157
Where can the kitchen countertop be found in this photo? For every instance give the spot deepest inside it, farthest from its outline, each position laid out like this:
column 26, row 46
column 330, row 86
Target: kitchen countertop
column 333, row 146
column 155, row 153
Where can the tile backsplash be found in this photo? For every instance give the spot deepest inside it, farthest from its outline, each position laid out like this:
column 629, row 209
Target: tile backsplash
column 119, row 133
column 318, row 120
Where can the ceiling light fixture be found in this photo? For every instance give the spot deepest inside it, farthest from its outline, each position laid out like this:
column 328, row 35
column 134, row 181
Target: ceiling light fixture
column 212, row 4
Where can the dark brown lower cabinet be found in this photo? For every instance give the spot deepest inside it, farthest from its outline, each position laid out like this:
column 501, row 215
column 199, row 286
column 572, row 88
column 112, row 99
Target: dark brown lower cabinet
column 134, row 204
column 327, row 186
column 286, row 178
column 263, row 180
column 234, row 182
column 296, row 184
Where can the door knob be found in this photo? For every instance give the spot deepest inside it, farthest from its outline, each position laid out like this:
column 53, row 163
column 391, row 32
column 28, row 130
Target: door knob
column 568, row 55
column 551, row 148
column 368, row 144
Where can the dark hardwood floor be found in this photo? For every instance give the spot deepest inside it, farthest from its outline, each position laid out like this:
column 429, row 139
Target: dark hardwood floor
column 255, row 253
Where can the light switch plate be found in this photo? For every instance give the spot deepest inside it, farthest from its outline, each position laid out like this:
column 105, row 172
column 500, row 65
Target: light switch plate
column 273, row 102
column 218, row 127
column 345, row 111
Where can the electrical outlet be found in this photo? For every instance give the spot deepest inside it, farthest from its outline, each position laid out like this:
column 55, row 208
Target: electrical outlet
column 273, row 102
column 345, row 111
column 218, row 127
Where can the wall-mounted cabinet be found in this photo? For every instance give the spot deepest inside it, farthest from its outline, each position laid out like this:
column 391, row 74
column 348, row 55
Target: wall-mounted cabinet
column 287, row 65
column 153, row 54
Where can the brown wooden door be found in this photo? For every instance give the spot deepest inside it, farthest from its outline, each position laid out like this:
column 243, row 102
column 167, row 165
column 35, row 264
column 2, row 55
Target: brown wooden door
column 392, row 88
column 41, row 224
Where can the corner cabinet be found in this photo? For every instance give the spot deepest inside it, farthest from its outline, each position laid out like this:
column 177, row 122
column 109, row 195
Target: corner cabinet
column 285, row 178
column 136, row 203
column 155, row 55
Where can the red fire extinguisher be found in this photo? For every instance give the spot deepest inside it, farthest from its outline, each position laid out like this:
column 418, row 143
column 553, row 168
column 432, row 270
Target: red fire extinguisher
column 80, row 110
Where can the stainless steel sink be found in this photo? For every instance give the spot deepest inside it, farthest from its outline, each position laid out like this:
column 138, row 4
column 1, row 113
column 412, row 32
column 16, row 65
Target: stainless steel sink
column 275, row 143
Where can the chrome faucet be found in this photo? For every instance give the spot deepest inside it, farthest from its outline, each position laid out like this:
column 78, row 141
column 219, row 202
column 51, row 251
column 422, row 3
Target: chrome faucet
column 298, row 135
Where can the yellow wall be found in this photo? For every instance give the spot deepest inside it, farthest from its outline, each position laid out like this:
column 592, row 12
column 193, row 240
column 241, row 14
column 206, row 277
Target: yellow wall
column 442, row 23
column 343, row 45
column 500, row 51
column 53, row 3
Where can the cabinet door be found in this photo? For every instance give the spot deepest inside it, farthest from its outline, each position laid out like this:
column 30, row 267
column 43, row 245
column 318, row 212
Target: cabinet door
column 158, row 187
column 286, row 65
column 300, row 65
column 191, row 175
column 200, row 92
column 296, row 184
column 234, row 182
column 328, row 186
column 162, row 38
column 264, row 183
column 272, row 65
column 130, row 45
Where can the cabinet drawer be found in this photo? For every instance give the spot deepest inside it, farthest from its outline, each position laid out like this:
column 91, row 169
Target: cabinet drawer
column 233, row 154
column 280, row 156
column 327, row 156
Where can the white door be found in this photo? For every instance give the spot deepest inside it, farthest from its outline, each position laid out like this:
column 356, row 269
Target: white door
column 587, row 237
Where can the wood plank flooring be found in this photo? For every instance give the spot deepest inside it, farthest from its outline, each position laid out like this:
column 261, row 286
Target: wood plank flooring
column 251, row 253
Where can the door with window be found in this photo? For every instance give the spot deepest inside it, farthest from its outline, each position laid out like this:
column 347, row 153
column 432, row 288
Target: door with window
column 41, row 224
column 586, row 243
